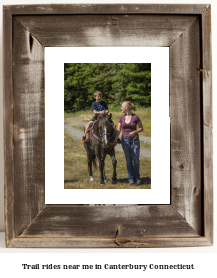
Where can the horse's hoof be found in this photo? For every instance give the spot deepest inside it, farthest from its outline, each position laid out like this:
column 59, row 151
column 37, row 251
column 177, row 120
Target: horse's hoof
column 102, row 184
column 91, row 179
column 113, row 181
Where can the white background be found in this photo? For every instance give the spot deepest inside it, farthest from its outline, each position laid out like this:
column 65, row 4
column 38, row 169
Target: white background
column 203, row 257
column 54, row 120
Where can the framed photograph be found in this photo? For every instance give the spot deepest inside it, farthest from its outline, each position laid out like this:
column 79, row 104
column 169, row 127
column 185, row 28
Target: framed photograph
column 34, row 118
column 153, row 112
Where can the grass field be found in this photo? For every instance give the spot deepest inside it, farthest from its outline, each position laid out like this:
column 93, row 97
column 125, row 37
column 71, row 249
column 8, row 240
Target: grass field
column 75, row 158
column 143, row 113
column 76, row 172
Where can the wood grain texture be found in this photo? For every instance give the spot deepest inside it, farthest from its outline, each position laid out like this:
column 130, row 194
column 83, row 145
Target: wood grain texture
column 207, row 122
column 188, row 221
column 29, row 131
column 106, row 9
column 207, row 67
column 34, row 242
column 109, row 222
column 107, row 30
column 208, row 182
column 185, row 113
column 8, row 125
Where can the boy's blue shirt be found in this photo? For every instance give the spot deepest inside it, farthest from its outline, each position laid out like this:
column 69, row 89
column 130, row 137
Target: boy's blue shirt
column 99, row 106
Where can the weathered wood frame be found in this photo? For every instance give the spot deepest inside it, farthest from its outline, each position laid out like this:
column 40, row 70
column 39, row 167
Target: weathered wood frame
column 188, row 220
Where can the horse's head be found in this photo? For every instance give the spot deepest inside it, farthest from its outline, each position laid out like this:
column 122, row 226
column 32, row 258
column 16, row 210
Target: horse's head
column 105, row 129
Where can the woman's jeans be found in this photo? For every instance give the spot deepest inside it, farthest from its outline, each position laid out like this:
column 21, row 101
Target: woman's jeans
column 131, row 149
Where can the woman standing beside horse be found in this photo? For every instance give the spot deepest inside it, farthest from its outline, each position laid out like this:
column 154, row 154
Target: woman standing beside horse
column 130, row 140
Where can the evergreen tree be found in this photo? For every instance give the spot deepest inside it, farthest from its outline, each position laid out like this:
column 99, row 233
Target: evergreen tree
column 117, row 82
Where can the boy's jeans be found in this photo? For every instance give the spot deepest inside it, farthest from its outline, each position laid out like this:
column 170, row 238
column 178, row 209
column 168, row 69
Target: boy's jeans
column 131, row 149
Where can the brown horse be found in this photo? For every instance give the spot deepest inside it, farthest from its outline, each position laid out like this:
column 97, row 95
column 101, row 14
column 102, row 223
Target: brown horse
column 102, row 136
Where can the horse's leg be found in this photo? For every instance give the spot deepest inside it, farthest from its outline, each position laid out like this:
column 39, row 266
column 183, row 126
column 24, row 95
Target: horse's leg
column 101, row 168
column 89, row 159
column 114, row 163
column 104, row 169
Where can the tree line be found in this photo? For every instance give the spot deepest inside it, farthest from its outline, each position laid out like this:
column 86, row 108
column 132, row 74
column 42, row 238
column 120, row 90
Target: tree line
column 117, row 82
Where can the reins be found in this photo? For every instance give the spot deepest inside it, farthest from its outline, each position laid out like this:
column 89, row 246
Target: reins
column 99, row 139
column 128, row 143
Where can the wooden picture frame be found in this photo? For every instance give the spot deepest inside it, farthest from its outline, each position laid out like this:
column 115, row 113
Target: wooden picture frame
column 186, row 30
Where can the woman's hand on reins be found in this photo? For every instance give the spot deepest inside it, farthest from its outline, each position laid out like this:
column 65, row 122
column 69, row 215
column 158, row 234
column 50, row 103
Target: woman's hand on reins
column 131, row 134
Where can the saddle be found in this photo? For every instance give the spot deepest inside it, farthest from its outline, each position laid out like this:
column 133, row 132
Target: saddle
column 88, row 137
column 88, row 133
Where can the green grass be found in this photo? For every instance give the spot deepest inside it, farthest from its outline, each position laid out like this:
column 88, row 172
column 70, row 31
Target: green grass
column 78, row 113
column 75, row 158
column 76, row 172
column 143, row 113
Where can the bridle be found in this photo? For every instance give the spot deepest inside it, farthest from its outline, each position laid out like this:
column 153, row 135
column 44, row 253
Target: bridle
column 111, row 134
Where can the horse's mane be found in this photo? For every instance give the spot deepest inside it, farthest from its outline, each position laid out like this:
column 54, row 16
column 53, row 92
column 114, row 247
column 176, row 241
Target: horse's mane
column 96, row 124
column 95, row 127
column 101, row 117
